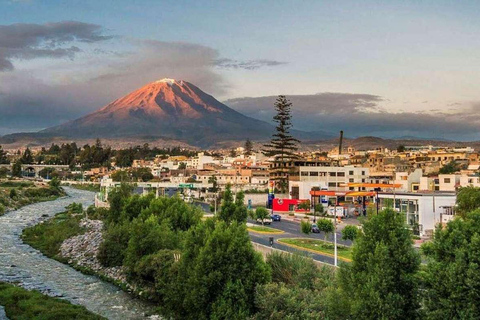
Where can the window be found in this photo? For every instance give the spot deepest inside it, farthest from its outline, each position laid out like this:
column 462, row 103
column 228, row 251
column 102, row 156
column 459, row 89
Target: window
column 446, row 180
column 332, row 184
column 332, row 174
column 313, row 174
column 351, row 180
column 304, row 174
column 341, row 174
column 350, row 172
column 363, row 173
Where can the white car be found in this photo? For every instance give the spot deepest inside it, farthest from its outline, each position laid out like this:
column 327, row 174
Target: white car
column 265, row 221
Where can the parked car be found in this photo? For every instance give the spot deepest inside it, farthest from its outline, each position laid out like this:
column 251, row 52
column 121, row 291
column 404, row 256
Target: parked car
column 276, row 217
column 315, row 229
column 265, row 221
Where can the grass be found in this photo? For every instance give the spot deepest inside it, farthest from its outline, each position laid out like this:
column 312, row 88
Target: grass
column 21, row 304
column 47, row 237
column 263, row 229
column 318, row 246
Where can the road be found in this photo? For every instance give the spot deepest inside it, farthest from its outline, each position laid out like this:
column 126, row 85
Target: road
column 291, row 230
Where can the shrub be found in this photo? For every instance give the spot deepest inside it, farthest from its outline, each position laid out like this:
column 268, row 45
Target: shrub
column 306, row 227
column 115, row 242
column 326, row 226
column 350, row 232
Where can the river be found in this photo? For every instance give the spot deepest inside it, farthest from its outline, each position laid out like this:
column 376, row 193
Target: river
column 26, row 266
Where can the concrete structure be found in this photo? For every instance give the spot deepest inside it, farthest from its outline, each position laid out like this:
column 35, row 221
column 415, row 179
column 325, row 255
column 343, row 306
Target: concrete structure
column 326, row 178
column 34, row 169
column 423, row 210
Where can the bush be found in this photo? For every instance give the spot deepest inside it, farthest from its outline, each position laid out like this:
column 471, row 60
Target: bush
column 49, row 236
column 115, row 242
column 13, row 193
column 350, row 232
column 306, row 227
column 297, row 270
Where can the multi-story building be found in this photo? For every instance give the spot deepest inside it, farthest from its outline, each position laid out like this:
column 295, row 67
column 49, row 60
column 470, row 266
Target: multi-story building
column 327, row 178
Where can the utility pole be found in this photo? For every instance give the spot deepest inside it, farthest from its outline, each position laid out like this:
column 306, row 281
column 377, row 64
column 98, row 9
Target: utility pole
column 336, row 201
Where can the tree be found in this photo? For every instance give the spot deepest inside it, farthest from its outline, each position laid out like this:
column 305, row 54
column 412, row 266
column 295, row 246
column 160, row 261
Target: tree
column 17, row 169
column 54, row 183
column 401, row 148
column 182, row 166
column 452, row 275
column 381, row 281
column 304, row 205
column 217, row 274
column 120, row 175
column 320, row 209
column 282, row 145
column 468, row 200
column 230, row 210
column 261, row 214
column 326, row 225
column 233, row 153
column 306, row 227
column 350, row 233
column 213, row 181
column 3, row 157
column 449, row 168
column 27, row 157
column 248, row 147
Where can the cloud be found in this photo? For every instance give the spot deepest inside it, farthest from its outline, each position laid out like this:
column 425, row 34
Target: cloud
column 30, row 41
column 39, row 98
column 363, row 114
column 226, row 63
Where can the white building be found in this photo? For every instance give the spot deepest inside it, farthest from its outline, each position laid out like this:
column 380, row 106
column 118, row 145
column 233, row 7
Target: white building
column 423, row 210
column 326, row 178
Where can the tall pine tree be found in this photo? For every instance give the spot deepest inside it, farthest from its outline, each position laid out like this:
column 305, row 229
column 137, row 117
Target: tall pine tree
column 248, row 147
column 283, row 145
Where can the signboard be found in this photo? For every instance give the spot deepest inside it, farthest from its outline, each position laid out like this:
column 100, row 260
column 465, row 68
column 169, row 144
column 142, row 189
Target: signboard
column 339, row 212
column 185, row 185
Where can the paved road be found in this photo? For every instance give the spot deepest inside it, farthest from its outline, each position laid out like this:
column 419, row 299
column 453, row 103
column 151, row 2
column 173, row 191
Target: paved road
column 291, row 230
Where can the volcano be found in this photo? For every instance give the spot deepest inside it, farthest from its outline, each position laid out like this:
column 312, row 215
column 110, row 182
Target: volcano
column 166, row 108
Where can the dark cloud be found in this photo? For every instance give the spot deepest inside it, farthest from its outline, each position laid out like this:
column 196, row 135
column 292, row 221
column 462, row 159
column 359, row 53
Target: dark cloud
column 362, row 114
column 225, row 63
column 30, row 41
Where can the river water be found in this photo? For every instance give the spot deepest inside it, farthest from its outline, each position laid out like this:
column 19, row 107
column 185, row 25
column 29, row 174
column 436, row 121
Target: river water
column 26, row 266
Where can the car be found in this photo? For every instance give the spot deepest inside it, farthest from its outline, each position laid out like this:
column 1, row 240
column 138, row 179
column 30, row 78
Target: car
column 276, row 217
column 265, row 221
column 315, row 229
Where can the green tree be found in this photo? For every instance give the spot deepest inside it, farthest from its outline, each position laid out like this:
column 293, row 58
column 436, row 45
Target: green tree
column 304, row 205
column 27, row 157
column 282, row 145
column 3, row 157
column 217, row 274
column 231, row 210
column 213, row 181
column 449, row 168
column 401, row 148
column 306, row 227
column 54, row 183
column 350, row 233
column 319, row 209
column 182, row 166
column 468, row 200
column 120, row 176
column 261, row 214
column 381, row 282
column 248, row 147
column 452, row 276
column 17, row 169
column 326, row 225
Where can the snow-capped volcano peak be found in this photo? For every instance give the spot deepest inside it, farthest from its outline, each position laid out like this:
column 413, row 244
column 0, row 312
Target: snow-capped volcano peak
column 166, row 80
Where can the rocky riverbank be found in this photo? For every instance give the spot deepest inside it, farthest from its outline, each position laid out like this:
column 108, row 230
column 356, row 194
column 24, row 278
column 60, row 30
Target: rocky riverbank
column 81, row 251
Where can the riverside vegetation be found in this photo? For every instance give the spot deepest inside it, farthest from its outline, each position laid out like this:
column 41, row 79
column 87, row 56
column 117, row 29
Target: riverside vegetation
column 21, row 304
column 17, row 193
column 207, row 269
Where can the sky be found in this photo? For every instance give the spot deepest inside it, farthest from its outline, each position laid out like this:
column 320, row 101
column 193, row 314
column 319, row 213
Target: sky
column 383, row 68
